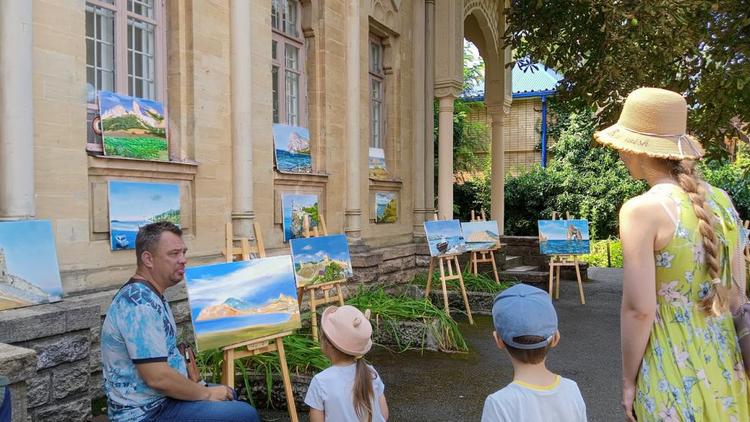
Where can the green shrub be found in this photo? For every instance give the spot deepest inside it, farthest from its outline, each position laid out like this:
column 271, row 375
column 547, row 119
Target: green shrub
column 734, row 178
column 599, row 256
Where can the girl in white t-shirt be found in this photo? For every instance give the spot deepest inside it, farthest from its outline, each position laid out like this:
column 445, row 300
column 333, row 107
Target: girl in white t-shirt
column 350, row 390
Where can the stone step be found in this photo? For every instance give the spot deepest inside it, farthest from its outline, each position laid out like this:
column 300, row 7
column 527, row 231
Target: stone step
column 512, row 261
column 525, row 274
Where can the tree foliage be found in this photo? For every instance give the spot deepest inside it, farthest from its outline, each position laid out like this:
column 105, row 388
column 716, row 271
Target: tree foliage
column 607, row 48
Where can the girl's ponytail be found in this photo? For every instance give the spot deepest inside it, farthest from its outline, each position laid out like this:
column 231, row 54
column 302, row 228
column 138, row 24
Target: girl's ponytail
column 362, row 392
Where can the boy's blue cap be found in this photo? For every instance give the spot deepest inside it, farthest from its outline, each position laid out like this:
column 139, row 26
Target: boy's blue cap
column 523, row 310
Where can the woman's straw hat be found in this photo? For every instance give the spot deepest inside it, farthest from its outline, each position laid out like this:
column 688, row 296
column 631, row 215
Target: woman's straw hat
column 653, row 123
column 348, row 329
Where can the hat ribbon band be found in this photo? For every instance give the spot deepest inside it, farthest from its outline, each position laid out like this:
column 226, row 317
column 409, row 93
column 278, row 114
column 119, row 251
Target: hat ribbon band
column 682, row 137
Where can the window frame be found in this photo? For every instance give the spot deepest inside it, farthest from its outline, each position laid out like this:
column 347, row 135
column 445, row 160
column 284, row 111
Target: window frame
column 376, row 73
column 120, row 68
column 282, row 38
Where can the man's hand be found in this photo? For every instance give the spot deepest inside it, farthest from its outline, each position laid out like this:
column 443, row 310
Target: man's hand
column 219, row 393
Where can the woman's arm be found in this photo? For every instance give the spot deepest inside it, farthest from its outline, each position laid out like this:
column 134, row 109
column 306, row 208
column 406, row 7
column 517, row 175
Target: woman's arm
column 317, row 415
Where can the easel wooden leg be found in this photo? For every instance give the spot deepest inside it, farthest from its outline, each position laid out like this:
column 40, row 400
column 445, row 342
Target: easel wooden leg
column 313, row 315
column 580, row 282
column 494, row 267
column 557, row 289
column 429, row 278
column 290, row 404
column 551, row 279
column 227, row 369
column 341, row 295
column 445, row 288
column 463, row 292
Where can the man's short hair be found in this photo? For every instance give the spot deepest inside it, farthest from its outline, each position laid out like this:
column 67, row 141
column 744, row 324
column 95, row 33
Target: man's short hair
column 528, row 356
column 149, row 235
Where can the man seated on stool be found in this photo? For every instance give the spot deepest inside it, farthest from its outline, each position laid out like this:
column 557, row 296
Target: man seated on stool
column 145, row 376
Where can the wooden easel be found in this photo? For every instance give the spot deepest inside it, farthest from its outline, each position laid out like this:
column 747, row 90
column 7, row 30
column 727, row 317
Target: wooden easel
column 445, row 276
column 325, row 288
column 556, row 262
column 269, row 344
column 244, row 251
column 483, row 255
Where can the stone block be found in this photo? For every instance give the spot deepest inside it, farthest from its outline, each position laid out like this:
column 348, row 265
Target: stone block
column 70, row 379
column 95, row 356
column 80, row 316
column 405, row 335
column 422, row 260
column 366, row 260
column 96, row 385
column 17, row 325
column 397, row 251
column 17, row 363
column 76, row 410
column 60, row 349
column 38, row 389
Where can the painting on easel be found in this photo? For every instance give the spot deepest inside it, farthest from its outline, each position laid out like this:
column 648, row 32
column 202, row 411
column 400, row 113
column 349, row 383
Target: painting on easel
column 239, row 301
column 444, row 237
column 294, row 208
column 319, row 260
column 135, row 204
column 133, row 127
column 564, row 237
column 480, row 235
column 292, row 145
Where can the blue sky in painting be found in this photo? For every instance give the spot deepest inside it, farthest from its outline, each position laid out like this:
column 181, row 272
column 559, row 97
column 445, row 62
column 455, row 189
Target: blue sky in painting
column 315, row 248
column 108, row 99
column 30, row 253
column 558, row 229
column 281, row 135
column 447, row 228
column 137, row 201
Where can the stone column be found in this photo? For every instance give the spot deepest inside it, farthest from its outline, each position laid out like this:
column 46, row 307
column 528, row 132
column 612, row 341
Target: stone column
column 242, row 133
column 445, row 157
column 16, row 111
column 429, row 122
column 497, row 185
column 418, row 170
column 353, row 210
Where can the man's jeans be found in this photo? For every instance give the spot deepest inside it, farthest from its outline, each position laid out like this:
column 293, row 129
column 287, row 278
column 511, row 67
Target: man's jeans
column 204, row 411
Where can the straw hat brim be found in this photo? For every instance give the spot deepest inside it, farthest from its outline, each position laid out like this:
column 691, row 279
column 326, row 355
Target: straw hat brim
column 623, row 139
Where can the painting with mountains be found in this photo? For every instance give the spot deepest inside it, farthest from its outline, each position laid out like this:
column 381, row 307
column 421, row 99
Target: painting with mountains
column 319, row 260
column 133, row 127
column 135, row 204
column 234, row 302
column 292, row 145
column 481, row 235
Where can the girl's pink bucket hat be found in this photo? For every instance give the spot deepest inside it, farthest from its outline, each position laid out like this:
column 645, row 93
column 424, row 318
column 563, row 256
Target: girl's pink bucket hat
column 348, row 329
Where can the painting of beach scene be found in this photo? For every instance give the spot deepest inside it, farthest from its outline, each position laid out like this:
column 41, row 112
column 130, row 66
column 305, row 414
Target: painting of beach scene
column 481, row 235
column 294, row 209
column 564, row 237
column 29, row 274
column 319, row 260
column 376, row 164
column 292, row 144
column 234, row 302
column 386, row 207
column 135, row 204
column 444, row 237
column 133, row 127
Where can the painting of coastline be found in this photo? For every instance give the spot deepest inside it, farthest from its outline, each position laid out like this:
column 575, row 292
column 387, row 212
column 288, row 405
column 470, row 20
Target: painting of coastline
column 564, row 237
column 322, row 259
column 133, row 127
column 135, row 204
column 29, row 274
column 481, row 235
column 235, row 302
column 376, row 164
column 294, row 208
column 292, row 145
column 444, row 237
column 386, row 207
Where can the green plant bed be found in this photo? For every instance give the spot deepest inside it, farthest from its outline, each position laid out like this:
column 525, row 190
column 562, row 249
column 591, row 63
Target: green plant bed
column 480, row 291
column 472, row 282
column 403, row 322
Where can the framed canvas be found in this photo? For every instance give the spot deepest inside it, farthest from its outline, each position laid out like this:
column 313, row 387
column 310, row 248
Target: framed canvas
column 319, row 260
column 135, row 204
column 564, row 237
column 444, row 237
column 292, row 148
column 133, row 127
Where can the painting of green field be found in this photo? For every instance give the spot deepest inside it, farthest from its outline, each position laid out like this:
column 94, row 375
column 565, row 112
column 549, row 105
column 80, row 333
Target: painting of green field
column 133, row 127
column 141, row 147
column 223, row 338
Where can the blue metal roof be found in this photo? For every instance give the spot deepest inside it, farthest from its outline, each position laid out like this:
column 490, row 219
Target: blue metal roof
column 530, row 83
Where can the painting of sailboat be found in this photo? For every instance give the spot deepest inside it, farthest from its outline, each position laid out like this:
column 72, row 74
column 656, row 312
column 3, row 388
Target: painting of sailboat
column 564, row 237
column 444, row 237
column 481, row 235
column 292, row 146
column 135, row 204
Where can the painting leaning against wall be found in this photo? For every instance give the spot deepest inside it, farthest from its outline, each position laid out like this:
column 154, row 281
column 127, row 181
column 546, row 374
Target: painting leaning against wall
column 386, row 207
column 135, row 204
column 133, row 127
column 295, row 206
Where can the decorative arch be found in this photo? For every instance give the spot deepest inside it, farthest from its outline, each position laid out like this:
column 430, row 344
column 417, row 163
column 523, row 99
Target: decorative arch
column 487, row 13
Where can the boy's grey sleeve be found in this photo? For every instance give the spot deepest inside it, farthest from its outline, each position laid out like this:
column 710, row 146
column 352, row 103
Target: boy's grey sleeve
column 493, row 411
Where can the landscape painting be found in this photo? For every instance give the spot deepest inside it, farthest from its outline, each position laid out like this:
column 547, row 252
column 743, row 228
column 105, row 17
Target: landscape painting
column 234, row 302
column 135, row 204
column 481, row 235
column 294, row 209
column 444, row 237
column 319, row 260
column 29, row 274
column 386, row 207
column 133, row 127
column 292, row 145
column 564, row 237
column 376, row 164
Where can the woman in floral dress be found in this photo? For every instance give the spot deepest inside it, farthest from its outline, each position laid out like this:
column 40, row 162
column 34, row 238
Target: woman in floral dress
column 682, row 245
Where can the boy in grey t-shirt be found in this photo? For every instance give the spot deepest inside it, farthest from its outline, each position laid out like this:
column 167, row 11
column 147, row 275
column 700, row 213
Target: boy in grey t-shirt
column 526, row 327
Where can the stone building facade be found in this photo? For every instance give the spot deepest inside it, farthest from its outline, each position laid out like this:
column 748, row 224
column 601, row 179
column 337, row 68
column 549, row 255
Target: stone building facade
column 225, row 71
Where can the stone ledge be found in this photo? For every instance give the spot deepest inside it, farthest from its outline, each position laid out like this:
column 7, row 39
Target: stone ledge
column 18, row 364
column 33, row 322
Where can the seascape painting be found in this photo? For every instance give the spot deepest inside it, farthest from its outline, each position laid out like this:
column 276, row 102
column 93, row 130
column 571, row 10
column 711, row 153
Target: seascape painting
column 564, row 237
column 322, row 259
column 133, row 127
column 481, row 235
column 234, row 302
column 444, row 237
column 292, row 145
column 386, row 207
column 294, row 208
column 376, row 164
column 29, row 274
column 135, row 204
